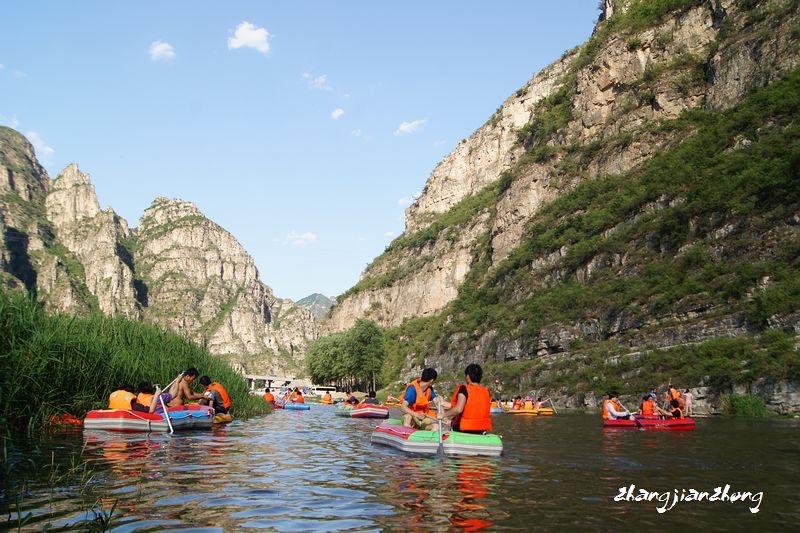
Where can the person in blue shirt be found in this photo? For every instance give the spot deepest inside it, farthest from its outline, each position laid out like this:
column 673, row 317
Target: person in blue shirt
column 417, row 399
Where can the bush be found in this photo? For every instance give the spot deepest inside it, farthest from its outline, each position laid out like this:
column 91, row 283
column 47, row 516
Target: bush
column 748, row 405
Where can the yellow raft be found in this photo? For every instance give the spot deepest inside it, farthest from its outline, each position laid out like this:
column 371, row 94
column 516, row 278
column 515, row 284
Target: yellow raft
column 223, row 418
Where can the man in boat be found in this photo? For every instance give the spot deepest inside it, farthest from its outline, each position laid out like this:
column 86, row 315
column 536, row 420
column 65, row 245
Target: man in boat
column 648, row 407
column 180, row 391
column 327, row 398
column 469, row 407
column 216, row 396
column 676, row 411
column 145, row 393
column 124, row 398
column 612, row 409
column 371, row 399
column 416, row 401
column 297, row 396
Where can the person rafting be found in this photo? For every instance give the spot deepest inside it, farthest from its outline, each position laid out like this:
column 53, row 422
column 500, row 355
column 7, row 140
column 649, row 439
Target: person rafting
column 216, row 396
column 469, row 407
column 124, row 398
column 327, row 398
column 517, row 404
column 371, row 399
column 676, row 411
column 297, row 396
column 181, row 391
column 648, row 407
column 268, row 396
column 689, row 398
column 145, row 393
column 416, row 401
column 612, row 409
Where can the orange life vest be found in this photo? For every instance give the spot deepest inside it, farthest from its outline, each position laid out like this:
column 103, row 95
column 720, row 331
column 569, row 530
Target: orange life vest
column 121, row 399
column 517, row 404
column 297, row 397
column 475, row 416
column 144, row 399
column 647, row 407
column 268, row 397
column 422, row 403
column 327, row 397
column 226, row 400
column 617, row 407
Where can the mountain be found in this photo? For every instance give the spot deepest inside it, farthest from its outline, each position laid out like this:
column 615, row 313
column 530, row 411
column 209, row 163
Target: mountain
column 630, row 214
column 177, row 268
column 318, row 304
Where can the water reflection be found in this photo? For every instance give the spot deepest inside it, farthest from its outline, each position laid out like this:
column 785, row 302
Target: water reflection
column 313, row 471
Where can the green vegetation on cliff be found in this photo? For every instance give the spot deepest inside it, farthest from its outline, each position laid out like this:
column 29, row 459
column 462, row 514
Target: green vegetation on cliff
column 708, row 224
column 52, row 364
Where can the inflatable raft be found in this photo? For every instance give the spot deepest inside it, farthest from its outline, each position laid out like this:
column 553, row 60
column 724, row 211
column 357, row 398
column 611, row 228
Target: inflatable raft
column 182, row 417
column 223, row 418
column 291, row 406
column 524, row 411
column 393, row 433
column 652, row 422
column 363, row 410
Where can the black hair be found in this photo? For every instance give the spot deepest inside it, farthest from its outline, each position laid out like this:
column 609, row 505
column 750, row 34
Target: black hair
column 205, row 381
column 371, row 394
column 145, row 388
column 429, row 374
column 613, row 394
column 191, row 371
column 128, row 387
column 675, row 403
column 539, row 399
column 474, row 371
column 646, row 397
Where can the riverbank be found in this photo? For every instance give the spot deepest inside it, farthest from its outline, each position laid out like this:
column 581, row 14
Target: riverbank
column 56, row 364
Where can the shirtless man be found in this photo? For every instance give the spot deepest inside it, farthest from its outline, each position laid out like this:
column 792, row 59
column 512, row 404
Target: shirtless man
column 180, row 390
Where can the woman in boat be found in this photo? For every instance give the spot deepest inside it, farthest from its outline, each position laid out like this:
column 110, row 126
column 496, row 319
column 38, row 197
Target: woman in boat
column 517, row 403
column 469, row 407
column 648, row 407
column 612, row 409
column 416, row 401
column 676, row 411
column 145, row 393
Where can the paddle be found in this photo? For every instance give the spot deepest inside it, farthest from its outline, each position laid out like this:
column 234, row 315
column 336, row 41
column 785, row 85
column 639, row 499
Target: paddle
column 633, row 417
column 439, row 418
column 552, row 405
column 164, row 405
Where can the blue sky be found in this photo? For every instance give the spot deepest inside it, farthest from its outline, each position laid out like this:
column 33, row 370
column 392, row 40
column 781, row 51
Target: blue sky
column 302, row 127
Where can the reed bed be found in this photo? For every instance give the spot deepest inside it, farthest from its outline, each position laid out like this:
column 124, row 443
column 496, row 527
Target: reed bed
column 53, row 364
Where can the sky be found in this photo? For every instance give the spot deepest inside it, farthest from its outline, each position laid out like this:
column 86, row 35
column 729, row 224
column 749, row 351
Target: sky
column 304, row 128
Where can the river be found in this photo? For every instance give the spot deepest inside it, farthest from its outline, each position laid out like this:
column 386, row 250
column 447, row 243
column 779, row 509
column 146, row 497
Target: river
column 313, row 471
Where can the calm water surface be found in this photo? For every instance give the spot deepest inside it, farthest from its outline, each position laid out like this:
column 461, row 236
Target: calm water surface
column 313, row 471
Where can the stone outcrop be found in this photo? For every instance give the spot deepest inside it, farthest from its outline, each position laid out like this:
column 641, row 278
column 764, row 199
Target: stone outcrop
column 177, row 269
column 94, row 236
column 202, row 283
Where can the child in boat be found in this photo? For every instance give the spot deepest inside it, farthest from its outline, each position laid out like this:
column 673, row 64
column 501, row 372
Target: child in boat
column 416, row 400
column 689, row 397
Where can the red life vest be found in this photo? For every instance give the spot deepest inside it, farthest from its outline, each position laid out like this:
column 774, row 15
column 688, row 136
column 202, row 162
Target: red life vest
column 475, row 416
column 226, row 400
column 269, row 397
column 422, row 403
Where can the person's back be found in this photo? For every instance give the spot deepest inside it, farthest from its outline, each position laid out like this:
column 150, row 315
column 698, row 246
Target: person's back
column 269, row 397
column 216, row 401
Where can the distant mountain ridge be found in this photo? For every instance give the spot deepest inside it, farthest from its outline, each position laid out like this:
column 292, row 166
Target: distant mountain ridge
column 318, row 304
column 177, row 268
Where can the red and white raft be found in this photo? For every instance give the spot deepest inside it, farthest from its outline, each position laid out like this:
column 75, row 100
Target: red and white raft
column 362, row 410
column 652, row 422
column 182, row 417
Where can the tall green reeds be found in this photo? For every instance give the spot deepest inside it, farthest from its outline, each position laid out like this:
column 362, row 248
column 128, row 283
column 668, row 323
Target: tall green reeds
column 52, row 364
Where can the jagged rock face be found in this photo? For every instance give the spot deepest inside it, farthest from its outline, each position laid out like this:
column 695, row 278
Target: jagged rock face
column 633, row 80
column 437, row 273
column 201, row 282
column 94, row 236
column 488, row 152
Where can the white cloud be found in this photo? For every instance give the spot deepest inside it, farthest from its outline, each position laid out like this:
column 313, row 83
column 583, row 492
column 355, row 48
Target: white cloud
column 356, row 132
column 318, row 82
column 249, row 36
column 408, row 200
column 161, row 51
column 410, row 127
column 337, row 113
column 300, row 239
column 41, row 147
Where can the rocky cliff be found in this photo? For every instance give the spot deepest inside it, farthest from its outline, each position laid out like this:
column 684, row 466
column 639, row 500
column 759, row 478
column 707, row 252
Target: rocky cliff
column 506, row 224
column 177, row 268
